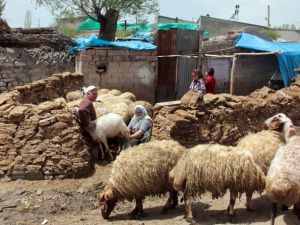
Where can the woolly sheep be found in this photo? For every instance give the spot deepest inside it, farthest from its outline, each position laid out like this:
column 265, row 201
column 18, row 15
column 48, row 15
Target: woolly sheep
column 263, row 145
column 216, row 168
column 103, row 91
column 283, row 178
column 141, row 171
column 128, row 95
column 109, row 125
column 74, row 95
column 115, row 92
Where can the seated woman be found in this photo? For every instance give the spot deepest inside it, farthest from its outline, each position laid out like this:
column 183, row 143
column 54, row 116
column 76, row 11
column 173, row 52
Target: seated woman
column 140, row 126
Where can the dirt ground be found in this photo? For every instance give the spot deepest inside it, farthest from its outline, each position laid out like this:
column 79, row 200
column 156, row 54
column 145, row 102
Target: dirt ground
column 74, row 202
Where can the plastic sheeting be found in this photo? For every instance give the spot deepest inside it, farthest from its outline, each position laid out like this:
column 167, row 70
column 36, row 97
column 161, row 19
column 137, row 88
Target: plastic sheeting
column 288, row 53
column 95, row 41
column 91, row 24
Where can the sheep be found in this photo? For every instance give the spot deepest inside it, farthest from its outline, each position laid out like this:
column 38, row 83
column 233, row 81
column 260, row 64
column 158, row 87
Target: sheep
column 74, row 95
column 216, row 168
column 141, row 171
column 128, row 95
column 263, row 145
column 115, row 92
column 109, row 125
column 283, row 178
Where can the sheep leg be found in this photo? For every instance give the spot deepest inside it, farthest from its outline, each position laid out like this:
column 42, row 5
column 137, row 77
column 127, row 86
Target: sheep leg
column 107, row 149
column 101, row 150
column 297, row 210
column 170, row 202
column 188, row 209
column 174, row 199
column 138, row 211
column 231, row 205
column 248, row 201
column 273, row 212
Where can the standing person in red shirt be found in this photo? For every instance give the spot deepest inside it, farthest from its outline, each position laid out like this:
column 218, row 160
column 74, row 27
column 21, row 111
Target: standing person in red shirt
column 210, row 81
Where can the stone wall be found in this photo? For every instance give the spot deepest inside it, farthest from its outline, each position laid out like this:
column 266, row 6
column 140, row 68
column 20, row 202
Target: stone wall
column 222, row 118
column 42, row 140
column 19, row 66
column 127, row 70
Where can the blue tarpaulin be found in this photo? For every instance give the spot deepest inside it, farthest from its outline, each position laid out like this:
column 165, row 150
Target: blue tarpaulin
column 95, row 41
column 288, row 53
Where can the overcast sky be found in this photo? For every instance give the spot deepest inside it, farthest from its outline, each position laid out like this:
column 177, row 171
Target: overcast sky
column 250, row 11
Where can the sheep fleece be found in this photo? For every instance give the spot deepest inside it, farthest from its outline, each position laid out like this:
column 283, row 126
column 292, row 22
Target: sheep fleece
column 215, row 168
column 263, row 145
column 283, row 179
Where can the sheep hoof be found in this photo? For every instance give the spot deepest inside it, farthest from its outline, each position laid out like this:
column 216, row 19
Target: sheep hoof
column 164, row 210
column 249, row 209
column 230, row 217
column 192, row 221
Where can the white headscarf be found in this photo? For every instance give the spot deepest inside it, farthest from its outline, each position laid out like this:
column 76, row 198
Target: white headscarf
column 88, row 89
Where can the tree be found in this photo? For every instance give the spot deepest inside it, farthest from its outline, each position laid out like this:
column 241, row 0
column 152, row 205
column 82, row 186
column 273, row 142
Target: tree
column 106, row 12
column 28, row 20
column 2, row 6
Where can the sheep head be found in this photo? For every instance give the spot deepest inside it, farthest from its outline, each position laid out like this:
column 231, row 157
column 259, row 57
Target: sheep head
column 280, row 122
column 276, row 123
column 107, row 202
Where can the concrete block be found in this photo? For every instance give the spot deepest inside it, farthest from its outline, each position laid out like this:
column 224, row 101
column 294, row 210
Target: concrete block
column 118, row 58
column 101, row 52
column 91, row 52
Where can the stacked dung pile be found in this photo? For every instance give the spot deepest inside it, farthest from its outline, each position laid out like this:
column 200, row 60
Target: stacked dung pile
column 222, row 118
column 42, row 140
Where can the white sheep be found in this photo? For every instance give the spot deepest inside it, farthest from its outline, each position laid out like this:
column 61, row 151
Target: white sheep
column 216, row 168
column 109, row 125
column 263, row 145
column 141, row 171
column 283, row 178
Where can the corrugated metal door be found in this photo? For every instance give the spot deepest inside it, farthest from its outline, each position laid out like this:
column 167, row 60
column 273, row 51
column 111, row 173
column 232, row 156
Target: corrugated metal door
column 166, row 79
column 222, row 67
column 184, row 71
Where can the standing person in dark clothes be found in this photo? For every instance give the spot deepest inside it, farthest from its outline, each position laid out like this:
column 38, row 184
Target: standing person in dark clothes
column 210, row 81
column 86, row 111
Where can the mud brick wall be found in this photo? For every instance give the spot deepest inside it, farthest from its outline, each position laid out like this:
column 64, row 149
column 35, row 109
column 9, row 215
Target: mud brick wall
column 41, row 139
column 127, row 70
column 19, row 66
column 222, row 118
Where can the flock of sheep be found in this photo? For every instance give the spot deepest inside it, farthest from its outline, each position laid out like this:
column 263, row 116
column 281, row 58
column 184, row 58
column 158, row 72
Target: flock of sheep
column 265, row 160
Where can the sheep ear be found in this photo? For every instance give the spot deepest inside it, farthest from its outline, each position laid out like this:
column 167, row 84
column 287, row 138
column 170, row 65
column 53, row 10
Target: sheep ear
column 102, row 197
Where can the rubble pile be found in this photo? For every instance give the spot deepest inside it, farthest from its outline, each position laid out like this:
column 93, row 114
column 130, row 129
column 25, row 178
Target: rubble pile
column 34, row 38
column 4, row 28
column 41, row 139
column 222, row 118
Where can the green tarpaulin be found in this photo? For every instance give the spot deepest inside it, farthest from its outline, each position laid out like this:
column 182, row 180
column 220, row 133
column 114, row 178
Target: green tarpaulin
column 90, row 24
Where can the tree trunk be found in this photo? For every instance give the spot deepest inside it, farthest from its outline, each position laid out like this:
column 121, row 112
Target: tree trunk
column 108, row 25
